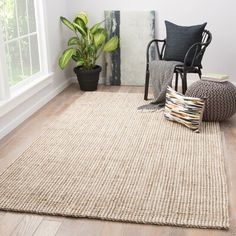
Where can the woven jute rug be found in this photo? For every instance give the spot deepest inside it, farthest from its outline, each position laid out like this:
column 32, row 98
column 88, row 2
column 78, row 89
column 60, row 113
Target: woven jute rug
column 103, row 159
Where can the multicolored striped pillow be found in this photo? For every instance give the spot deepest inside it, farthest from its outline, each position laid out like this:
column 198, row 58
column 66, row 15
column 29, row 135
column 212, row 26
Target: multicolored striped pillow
column 184, row 110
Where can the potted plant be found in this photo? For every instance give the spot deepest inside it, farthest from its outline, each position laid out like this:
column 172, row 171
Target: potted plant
column 84, row 48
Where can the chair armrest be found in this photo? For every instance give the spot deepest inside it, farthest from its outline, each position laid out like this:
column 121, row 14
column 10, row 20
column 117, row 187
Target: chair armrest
column 159, row 52
column 198, row 49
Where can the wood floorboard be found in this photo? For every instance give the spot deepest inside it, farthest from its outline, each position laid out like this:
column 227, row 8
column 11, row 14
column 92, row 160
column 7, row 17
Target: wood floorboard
column 12, row 146
column 81, row 227
column 69, row 227
column 28, row 225
column 47, row 228
column 9, row 222
column 112, row 228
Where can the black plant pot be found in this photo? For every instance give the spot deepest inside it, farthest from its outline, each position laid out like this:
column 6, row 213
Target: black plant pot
column 88, row 79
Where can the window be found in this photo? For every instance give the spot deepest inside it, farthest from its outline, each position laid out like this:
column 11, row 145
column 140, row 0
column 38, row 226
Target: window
column 21, row 41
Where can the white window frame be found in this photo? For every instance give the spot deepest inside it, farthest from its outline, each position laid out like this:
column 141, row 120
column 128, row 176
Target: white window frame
column 4, row 85
column 6, row 91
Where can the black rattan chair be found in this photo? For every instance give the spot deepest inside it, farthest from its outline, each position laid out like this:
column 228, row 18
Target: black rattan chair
column 182, row 70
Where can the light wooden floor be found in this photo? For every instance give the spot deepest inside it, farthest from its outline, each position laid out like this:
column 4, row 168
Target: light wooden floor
column 26, row 224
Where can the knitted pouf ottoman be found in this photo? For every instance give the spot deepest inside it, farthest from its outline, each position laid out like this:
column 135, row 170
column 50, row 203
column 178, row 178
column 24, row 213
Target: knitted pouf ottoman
column 220, row 103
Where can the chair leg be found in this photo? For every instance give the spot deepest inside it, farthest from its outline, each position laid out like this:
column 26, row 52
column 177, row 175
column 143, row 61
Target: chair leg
column 176, row 81
column 200, row 74
column 146, row 85
column 184, row 82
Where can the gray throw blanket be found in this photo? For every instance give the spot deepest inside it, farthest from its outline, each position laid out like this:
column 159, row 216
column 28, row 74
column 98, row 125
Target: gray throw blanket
column 161, row 75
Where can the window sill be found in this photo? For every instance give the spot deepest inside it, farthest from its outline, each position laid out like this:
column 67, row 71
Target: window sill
column 24, row 93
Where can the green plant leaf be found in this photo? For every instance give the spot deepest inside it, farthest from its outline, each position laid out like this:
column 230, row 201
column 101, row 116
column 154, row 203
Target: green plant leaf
column 66, row 56
column 75, row 58
column 91, row 49
column 102, row 30
column 73, row 41
column 96, row 27
column 99, row 39
column 81, row 23
column 89, row 38
column 66, row 22
column 111, row 45
column 79, row 63
column 83, row 16
column 80, row 29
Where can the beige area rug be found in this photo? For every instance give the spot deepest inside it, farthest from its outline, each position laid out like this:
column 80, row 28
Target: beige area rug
column 103, row 159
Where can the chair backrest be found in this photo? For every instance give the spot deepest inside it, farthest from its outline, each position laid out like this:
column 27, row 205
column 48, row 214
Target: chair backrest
column 206, row 40
column 206, row 37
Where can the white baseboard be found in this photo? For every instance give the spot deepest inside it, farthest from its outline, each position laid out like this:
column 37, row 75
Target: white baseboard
column 31, row 110
column 74, row 79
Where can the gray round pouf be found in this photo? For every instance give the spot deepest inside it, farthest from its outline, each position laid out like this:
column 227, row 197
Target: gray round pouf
column 220, row 103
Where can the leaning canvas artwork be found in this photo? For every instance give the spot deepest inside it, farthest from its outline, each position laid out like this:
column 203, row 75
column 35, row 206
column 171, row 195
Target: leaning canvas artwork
column 126, row 66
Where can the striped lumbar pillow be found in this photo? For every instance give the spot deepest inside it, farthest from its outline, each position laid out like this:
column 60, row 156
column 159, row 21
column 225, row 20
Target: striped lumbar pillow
column 184, row 110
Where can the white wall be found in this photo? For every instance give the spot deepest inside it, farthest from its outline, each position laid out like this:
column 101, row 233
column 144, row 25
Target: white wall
column 56, row 37
column 220, row 15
